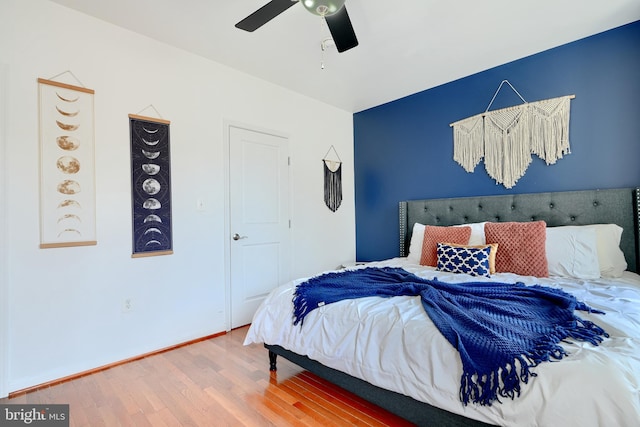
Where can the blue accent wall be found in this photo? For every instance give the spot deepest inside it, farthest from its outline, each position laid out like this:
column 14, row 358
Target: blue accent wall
column 404, row 149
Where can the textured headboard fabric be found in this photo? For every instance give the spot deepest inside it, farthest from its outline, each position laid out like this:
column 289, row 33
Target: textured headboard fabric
column 614, row 206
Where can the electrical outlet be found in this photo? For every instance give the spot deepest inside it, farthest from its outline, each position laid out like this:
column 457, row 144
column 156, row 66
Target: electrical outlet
column 127, row 305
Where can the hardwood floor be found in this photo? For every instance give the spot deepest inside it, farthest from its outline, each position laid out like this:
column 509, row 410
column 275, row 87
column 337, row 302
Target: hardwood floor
column 217, row 382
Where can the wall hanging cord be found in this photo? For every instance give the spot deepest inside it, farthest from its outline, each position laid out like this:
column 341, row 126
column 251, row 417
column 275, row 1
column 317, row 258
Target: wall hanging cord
column 332, row 148
column 498, row 90
column 69, row 72
column 152, row 107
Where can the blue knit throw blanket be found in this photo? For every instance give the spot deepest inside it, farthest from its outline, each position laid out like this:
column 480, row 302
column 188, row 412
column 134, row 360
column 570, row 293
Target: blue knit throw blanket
column 500, row 330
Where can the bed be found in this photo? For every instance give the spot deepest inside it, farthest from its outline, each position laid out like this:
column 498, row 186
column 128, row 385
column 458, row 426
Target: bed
column 593, row 385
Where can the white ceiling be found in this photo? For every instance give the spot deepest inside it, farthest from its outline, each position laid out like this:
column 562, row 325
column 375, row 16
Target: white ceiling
column 405, row 46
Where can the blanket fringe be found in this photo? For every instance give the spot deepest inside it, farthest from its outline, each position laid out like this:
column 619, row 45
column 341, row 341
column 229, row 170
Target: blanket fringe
column 505, row 381
column 301, row 309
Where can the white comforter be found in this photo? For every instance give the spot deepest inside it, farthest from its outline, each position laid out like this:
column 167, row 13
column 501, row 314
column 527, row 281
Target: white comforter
column 392, row 343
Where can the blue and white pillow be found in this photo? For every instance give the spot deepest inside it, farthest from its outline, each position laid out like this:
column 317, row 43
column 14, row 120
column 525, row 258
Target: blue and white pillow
column 461, row 259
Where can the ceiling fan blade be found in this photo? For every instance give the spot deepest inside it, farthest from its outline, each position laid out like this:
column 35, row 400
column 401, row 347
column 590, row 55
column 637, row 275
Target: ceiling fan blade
column 265, row 14
column 341, row 30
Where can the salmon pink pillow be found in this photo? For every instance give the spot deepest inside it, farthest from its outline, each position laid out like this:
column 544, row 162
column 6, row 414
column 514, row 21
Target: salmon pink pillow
column 521, row 247
column 434, row 234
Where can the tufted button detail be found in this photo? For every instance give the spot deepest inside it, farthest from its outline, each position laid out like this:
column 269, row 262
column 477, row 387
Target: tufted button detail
column 550, row 205
column 573, row 218
column 466, row 218
column 479, row 207
column 596, row 203
column 497, row 218
column 513, row 207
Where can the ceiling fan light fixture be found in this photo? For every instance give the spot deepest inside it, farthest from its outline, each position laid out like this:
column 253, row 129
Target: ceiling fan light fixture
column 323, row 7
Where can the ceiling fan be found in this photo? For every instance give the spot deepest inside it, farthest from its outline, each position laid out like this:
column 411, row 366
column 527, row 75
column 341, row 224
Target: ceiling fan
column 333, row 11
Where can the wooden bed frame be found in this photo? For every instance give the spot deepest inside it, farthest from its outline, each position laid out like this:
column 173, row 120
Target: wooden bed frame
column 617, row 206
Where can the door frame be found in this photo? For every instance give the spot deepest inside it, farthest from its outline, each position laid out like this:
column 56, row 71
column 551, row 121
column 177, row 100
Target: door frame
column 227, row 124
column 4, row 283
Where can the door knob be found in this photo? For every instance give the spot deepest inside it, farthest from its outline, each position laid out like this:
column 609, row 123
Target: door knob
column 238, row 237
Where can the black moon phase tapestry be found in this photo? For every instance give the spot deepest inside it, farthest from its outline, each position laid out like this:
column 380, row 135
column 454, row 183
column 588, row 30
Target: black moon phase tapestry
column 151, row 186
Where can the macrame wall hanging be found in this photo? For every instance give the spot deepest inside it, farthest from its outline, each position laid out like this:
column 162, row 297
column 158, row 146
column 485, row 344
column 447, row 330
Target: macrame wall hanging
column 332, row 180
column 506, row 138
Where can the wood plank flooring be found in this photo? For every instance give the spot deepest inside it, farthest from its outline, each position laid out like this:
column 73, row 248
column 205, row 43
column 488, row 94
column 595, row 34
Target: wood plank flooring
column 217, row 382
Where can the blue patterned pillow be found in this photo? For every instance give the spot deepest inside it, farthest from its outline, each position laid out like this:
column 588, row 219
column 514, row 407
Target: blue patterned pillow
column 461, row 259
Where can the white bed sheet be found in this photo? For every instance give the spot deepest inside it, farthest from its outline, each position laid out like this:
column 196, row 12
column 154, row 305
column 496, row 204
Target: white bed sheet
column 393, row 344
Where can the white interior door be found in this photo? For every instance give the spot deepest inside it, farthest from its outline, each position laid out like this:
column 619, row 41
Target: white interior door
column 258, row 219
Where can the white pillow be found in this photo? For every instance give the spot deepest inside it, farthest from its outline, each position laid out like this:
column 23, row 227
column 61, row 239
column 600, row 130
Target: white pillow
column 610, row 256
column 572, row 251
column 415, row 246
column 477, row 233
column 611, row 259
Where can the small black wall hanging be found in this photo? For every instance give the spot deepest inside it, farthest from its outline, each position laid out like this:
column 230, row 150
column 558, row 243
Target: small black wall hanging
column 332, row 180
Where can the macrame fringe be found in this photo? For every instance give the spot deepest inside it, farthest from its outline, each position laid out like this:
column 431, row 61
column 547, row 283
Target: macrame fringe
column 550, row 129
column 507, row 152
column 506, row 138
column 468, row 148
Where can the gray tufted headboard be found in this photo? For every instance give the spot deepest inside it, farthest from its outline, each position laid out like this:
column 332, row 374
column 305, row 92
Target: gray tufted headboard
column 616, row 206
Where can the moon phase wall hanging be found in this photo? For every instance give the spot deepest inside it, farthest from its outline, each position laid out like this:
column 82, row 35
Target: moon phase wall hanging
column 67, row 163
column 151, row 186
column 332, row 180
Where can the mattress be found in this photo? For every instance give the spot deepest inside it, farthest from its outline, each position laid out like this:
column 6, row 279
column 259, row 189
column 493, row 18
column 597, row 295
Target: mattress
column 391, row 343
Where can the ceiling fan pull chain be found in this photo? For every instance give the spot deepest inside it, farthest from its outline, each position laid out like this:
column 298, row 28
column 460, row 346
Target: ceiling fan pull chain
column 322, row 43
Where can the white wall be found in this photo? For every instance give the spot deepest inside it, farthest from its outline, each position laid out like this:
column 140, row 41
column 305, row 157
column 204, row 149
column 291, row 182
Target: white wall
column 63, row 320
